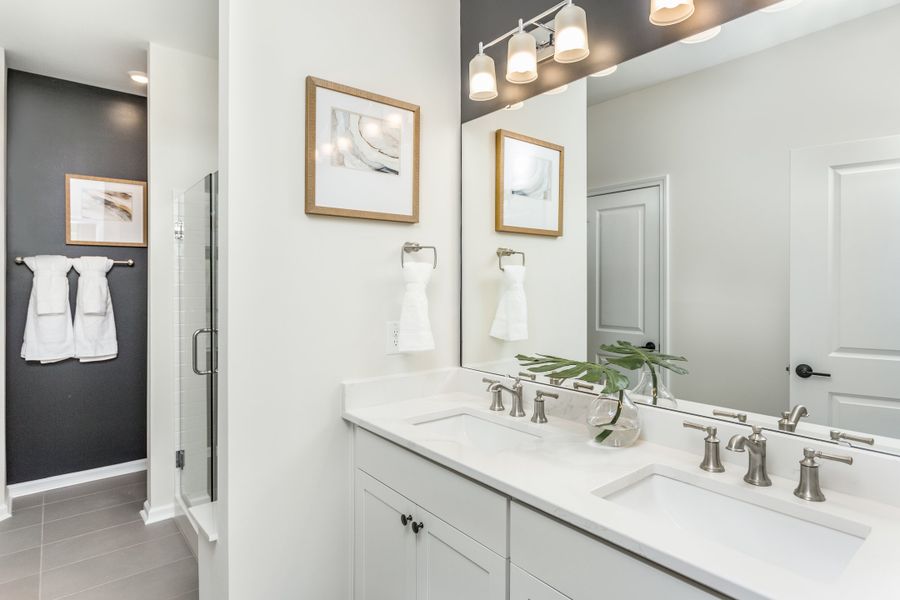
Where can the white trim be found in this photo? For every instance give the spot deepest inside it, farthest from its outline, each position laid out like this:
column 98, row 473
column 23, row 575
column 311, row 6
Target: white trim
column 662, row 182
column 60, row 481
column 5, row 513
column 155, row 514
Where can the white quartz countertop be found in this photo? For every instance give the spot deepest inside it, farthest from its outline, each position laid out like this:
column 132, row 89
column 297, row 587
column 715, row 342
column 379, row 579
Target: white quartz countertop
column 558, row 474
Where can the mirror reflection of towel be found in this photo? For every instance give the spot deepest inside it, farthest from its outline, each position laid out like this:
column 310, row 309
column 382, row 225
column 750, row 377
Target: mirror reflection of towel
column 415, row 326
column 511, row 319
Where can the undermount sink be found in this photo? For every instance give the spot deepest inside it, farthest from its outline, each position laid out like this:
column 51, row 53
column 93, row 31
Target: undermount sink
column 476, row 431
column 809, row 543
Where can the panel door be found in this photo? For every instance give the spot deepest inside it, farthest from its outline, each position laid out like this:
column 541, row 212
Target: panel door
column 453, row 566
column 624, row 243
column 385, row 548
column 523, row 586
column 845, row 283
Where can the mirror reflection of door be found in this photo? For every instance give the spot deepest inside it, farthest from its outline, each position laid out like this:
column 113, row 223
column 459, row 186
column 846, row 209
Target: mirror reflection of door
column 625, row 267
column 845, row 284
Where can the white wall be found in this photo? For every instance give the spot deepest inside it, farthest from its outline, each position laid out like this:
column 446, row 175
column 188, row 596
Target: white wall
column 724, row 136
column 4, row 498
column 182, row 138
column 557, row 322
column 308, row 296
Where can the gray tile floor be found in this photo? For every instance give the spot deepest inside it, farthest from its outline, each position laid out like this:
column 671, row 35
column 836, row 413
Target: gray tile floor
column 88, row 542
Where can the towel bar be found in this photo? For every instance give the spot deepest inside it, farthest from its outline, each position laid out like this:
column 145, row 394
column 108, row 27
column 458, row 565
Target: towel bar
column 501, row 252
column 415, row 247
column 124, row 263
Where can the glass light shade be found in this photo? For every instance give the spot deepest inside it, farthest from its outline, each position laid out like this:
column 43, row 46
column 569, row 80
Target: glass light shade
column 521, row 61
column 571, row 37
column 482, row 78
column 669, row 12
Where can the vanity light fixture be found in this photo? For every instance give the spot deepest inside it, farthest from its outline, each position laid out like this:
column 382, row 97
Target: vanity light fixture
column 670, row 12
column 557, row 90
column 703, row 36
column 606, row 72
column 139, row 77
column 780, row 6
column 567, row 43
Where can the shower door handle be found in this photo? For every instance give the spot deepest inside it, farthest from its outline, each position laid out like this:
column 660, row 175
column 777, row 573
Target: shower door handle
column 194, row 339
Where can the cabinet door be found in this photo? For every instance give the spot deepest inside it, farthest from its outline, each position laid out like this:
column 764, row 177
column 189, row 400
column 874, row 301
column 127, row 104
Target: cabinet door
column 523, row 586
column 385, row 549
column 453, row 566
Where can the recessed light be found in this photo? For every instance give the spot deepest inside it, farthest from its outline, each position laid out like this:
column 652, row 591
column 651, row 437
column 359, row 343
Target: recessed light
column 558, row 90
column 703, row 36
column 515, row 106
column 139, row 77
column 606, row 72
column 780, row 6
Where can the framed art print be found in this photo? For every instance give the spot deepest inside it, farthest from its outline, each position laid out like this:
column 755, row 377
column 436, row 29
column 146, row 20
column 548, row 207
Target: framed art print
column 362, row 154
column 529, row 190
column 101, row 211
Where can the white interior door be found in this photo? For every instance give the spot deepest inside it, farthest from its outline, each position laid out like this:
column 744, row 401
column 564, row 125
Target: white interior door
column 624, row 268
column 845, row 283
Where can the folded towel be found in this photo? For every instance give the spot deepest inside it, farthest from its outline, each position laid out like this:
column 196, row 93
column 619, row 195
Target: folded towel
column 48, row 326
column 511, row 319
column 95, row 323
column 415, row 326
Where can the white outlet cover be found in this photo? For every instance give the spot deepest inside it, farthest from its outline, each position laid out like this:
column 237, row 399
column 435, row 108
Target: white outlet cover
column 392, row 337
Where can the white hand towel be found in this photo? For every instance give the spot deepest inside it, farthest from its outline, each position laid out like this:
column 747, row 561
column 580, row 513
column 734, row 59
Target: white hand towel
column 511, row 319
column 415, row 326
column 95, row 323
column 48, row 325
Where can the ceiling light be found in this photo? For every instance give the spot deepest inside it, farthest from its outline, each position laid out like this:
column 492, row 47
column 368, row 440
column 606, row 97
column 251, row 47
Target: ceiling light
column 606, row 72
column 556, row 91
column 482, row 77
column 571, row 36
column 780, row 6
column 521, row 61
column 703, row 36
column 139, row 77
column 515, row 106
column 669, row 12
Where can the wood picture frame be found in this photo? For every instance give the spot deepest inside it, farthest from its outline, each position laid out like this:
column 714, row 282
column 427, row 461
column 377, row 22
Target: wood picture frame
column 347, row 182
column 505, row 222
column 106, row 214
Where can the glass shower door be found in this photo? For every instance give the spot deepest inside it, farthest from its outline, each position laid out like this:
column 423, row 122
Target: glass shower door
column 196, row 257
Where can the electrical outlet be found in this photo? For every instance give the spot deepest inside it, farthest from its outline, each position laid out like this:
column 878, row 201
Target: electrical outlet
column 392, row 337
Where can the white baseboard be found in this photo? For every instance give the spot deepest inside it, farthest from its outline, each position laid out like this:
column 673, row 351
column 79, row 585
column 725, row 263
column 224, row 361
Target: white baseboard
column 5, row 513
column 59, row 481
column 155, row 514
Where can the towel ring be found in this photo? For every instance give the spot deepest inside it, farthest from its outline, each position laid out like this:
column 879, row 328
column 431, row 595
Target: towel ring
column 415, row 247
column 501, row 252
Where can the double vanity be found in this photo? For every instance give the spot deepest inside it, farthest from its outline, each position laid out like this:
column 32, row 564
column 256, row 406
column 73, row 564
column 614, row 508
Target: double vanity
column 455, row 500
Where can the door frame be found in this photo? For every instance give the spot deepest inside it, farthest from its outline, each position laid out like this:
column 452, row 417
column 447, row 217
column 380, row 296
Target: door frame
column 662, row 182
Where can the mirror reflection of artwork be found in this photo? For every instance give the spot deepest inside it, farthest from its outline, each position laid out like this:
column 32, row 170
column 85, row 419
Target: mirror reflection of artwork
column 102, row 211
column 362, row 154
column 529, row 196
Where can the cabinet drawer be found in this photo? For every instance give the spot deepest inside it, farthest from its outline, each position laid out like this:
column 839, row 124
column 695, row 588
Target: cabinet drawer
column 470, row 507
column 523, row 586
column 584, row 568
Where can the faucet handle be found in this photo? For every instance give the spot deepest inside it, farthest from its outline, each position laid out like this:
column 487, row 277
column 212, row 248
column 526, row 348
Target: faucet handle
column 810, row 455
column 839, row 436
column 526, row 375
column 711, row 460
column 741, row 417
column 580, row 385
column 710, row 430
column 541, row 394
column 491, row 383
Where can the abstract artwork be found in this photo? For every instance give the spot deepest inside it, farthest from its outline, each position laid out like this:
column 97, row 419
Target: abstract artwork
column 529, row 185
column 362, row 154
column 102, row 211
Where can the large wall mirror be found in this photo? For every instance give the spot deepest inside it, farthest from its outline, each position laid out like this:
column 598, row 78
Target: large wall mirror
column 735, row 202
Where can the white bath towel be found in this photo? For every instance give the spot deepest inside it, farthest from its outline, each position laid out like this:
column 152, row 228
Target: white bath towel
column 48, row 326
column 511, row 319
column 95, row 324
column 415, row 326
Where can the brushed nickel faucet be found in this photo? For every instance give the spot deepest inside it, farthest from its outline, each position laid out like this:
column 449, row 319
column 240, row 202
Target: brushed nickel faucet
column 755, row 445
column 711, row 459
column 496, row 389
column 539, row 416
column 808, row 488
column 843, row 436
column 790, row 418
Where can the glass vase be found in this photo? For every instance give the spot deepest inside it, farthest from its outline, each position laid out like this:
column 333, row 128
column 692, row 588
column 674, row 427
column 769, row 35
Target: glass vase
column 614, row 420
column 650, row 389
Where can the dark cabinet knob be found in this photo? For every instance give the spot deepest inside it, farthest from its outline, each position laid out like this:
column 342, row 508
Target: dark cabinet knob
column 416, row 527
column 805, row 372
column 405, row 519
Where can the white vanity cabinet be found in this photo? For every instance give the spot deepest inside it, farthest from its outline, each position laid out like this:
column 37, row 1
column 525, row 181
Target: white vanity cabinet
column 522, row 586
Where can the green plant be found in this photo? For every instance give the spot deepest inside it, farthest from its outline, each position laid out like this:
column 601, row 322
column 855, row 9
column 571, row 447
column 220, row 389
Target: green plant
column 563, row 368
column 631, row 357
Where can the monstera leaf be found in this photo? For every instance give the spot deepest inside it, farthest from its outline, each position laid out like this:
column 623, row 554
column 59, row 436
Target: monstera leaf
column 563, row 368
column 631, row 357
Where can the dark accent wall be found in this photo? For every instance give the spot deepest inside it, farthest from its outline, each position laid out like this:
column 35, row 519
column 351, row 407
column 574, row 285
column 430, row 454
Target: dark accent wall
column 618, row 30
column 70, row 416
